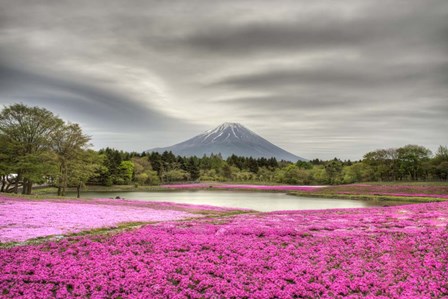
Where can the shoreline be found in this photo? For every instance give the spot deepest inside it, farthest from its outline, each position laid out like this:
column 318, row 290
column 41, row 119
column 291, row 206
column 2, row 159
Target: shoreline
column 382, row 192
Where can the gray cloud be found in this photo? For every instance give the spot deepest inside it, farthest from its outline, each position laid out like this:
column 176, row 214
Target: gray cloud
column 343, row 75
column 375, row 25
column 320, row 78
column 104, row 112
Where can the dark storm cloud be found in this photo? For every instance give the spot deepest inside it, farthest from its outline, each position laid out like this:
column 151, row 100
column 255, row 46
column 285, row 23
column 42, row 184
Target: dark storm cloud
column 321, row 78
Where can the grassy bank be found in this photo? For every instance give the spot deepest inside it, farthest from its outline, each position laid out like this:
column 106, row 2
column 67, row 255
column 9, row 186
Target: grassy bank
column 405, row 183
column 367, row 197
column 388, row 191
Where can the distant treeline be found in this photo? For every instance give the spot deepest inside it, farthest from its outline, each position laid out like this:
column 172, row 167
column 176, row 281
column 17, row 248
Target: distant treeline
column 37, row 147
column 408, row 163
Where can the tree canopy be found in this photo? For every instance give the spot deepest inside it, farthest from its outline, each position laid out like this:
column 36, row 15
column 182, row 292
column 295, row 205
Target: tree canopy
column 38, row 147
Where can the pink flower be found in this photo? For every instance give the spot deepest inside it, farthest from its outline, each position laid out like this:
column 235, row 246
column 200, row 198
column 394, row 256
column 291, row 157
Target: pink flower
column 393, row 252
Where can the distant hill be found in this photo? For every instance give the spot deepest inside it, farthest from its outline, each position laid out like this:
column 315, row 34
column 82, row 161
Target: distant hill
column 228, row 139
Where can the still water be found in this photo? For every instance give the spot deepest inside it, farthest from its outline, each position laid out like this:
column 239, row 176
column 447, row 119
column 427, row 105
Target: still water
column 259, row 201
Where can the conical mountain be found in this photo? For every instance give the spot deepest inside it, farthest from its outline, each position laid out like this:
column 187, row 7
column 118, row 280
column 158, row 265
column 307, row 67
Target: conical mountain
column 228, row 139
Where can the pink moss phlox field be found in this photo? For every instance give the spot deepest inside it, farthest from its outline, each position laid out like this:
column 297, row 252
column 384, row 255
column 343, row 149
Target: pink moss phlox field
column 24, row 219
column 244, row 187
column 393, row 252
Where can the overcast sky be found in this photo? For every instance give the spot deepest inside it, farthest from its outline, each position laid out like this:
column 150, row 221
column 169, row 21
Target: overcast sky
column 318, row 78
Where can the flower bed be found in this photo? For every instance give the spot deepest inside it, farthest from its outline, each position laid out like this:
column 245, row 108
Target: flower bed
column 394, row 252
column 22, row 219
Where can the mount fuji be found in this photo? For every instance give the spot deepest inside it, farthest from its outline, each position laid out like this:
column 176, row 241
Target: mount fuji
column 228, row 139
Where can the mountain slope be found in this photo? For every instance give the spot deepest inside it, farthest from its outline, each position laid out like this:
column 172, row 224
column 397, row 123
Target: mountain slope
column 228, row 139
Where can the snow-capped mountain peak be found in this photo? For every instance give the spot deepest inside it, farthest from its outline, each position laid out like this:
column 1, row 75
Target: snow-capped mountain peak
column 229, row 138
column 226, row 132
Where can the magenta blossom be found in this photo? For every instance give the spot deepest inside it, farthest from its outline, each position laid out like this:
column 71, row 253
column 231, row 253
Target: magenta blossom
column 24, row 219
column 393, row 252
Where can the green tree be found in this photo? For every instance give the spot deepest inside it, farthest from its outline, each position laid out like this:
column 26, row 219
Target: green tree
column 87, row 164
column 411, row 159
column 143, row 172
column 192, row 166
column 69, row 143
column 440, row 163
column 156, row 162
column 265, row 174
column 383, row 164
column 217, row 163
column 227, row 171
column 6, row 165
column 176, row 175
column 304, row 165
column 27, row 132
column 333, row 169
column 318, row 174
column 111, row 173
column 251, row 165
column 354, row 173
column 126, row 172
column 36, row 168
column 209, row 175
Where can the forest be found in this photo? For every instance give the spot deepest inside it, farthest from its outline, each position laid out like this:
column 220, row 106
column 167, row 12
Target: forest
column 39, row 148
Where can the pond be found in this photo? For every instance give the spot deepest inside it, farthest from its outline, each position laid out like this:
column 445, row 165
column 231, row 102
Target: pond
column 259, row 201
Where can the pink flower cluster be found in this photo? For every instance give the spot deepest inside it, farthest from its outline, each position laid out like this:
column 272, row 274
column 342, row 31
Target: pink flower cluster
column 244, row 187
column 21, row 219
column 393, row 252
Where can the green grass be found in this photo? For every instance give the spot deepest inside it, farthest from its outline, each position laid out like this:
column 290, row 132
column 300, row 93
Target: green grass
column 367, row 197
column 403, row 183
